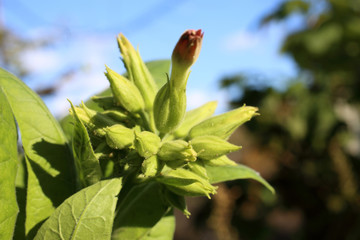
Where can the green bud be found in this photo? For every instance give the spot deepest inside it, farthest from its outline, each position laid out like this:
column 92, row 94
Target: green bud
column 186, row 183
column 187, row 50
column 126, row 94
column 170, row 101
column 221, row 161
column 225, row 124
column 194, row 117
column 146, row 143
column 169, row 108
column 151, row 166
column 177, row 150
column 210, row 147
column 137, row 71
column 119, row 137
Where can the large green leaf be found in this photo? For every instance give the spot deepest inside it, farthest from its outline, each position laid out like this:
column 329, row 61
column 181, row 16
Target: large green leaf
column 8, row 167
column 88, row 214
column 163, row 230
column 49, row 162
column 139, row 212
column 87, row 165
column 227, row 173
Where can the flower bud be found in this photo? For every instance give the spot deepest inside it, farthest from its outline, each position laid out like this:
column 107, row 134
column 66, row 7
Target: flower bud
column 187, row 49
column 138, row 73
column 177, row 150
column 194, row 117
column 146, row 143
column 169, row 108
column 125, row 92
column 119, row 137
column 225, row 124
column 186, row 183
column 170, row 101
column 210, row 147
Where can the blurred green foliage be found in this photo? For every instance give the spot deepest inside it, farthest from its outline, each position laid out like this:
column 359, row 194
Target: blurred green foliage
column 307, row 139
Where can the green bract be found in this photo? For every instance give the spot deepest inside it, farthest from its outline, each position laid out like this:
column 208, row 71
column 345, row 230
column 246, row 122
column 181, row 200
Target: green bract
column 133, row 156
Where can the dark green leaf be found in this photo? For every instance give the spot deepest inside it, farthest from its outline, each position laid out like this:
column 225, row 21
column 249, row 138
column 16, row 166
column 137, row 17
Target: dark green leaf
column 227, row 173
column 8, row 167
column 49, row 162
column 88, row 214
column 139, row 211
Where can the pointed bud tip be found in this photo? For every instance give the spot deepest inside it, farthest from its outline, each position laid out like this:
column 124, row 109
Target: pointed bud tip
column 188, row 47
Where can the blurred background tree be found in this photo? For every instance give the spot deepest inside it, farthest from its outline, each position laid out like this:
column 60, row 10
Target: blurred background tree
column 13, row 47
column 307, row 140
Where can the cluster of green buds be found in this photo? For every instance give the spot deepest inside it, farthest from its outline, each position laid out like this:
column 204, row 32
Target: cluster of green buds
column 142, row 132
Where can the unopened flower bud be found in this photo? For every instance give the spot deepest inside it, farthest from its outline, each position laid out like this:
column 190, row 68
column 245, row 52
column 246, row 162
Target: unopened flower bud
column 210, row 147
column 170, row 101
column 119, row 137
column 169, row 108
column 138, row 73
column 225, row 124
column 146, row 143
column 125, row 92
column 187, row 49
column 187, row 183
column 177, row 150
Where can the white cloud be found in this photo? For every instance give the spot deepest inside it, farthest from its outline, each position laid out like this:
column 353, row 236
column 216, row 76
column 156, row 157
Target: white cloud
column 240, row 41
column 41, row 60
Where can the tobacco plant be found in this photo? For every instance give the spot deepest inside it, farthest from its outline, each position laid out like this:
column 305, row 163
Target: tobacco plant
column 133, row 154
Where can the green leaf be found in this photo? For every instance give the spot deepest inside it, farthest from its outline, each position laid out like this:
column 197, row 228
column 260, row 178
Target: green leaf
column 227, row 173
column 8, row 168
column 139, row 211
column 88, row 214
column 88, row 167
column 163, row 230
column 49, row 162
column 20, row 183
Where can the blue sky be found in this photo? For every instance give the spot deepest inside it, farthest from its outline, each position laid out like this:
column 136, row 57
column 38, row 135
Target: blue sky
column 86, row 32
